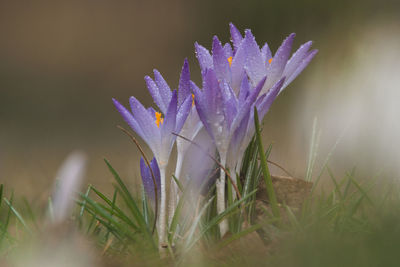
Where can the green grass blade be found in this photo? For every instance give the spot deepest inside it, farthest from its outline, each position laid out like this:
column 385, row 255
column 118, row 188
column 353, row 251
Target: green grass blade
column 175, row 218
column 18, row 216
column 313, row 150
column 131, row 203
column 84, row 202
column 265, row 170
column 178, row 183
column 145, row 207
column 115, row 210
column 1, row 193
column 214, row 221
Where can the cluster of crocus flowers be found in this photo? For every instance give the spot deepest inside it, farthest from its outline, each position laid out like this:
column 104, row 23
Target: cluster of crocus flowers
column 235, row 79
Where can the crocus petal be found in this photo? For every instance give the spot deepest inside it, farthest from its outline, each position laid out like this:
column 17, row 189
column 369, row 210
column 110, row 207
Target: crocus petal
column 165, row 91
column 230, row 110
column 220, row 61
column 236, row 36
column 230, row 102
column 279, row 62
column 269, row 98
column 296, row 59
column 204, row 57
column 227, row 92
column 184, row 83
column 211, row 91
column 245, row 108
column 255, row 66
column 201, row 108
column 266, row 53
column 237, row 139
column 183, row 113
column 169, row 124
column 228, row 50
column 156, row 171
column 301, row 67
column 237, row 67
column 152, row 113
column 155, row 94
column 129, row 119
column 147, row 178
column 145, row 121
column 244, row 90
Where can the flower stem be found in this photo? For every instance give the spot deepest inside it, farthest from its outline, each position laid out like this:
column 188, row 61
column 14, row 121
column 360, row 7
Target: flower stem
column 174, row 194
column 162, row 244
column 223, row 226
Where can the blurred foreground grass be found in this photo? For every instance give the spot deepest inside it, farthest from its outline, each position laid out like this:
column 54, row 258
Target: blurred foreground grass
column 353, row 221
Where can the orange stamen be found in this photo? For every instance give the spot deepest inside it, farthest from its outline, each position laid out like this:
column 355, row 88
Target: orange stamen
column 230, row 61
column 192, row 100
column 270, row 60
column 159, row 119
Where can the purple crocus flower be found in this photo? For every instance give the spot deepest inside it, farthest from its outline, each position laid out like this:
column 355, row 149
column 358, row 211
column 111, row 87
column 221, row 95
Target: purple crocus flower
column 161, row 92
column 233, row 77
column 245, row 61
column 246, row 58
column 225, row 117
column 220, row 110
column 157, row 132
column 246, row 132
column 147, row 178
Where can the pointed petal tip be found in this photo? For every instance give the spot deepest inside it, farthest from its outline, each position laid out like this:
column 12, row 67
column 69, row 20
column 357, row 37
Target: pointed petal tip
column 132, row 100
column 156, row 72
column 232, row 27
column 216, row 40
column 147, row 78
column 185, row 66
column 281, row 81
column 262, row 81
column 247, row 32
column 153, row 163
column 117, row 104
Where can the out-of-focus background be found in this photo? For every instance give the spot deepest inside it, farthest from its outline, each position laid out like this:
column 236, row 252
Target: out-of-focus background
column 61, row 62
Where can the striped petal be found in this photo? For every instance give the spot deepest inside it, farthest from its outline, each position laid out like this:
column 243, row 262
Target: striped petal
column 204, row 57
column 279, row 61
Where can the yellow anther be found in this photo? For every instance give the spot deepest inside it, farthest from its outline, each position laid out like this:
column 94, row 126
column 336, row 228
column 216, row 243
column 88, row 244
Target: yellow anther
column 230, row 61
column 270, row 60
column 192, row 100
column 159, row 119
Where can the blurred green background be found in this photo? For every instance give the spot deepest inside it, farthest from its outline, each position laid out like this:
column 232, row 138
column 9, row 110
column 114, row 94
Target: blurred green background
column 61, row 62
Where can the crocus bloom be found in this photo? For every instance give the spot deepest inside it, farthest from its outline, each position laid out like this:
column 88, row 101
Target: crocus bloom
column 223, row 113
column 147, row 179
column 246, row 58
column 158, row 133
column 240, row 71
column 245, row 132
column 155, row 130
column 161, row 93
